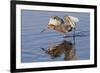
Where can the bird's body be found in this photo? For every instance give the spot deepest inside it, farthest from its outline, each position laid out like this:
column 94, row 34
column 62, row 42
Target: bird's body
column 62, row 28
column 60, row 25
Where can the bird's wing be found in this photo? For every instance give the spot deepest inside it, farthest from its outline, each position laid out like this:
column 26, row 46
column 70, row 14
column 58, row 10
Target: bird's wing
column 75, row 19
column 59, row 21
column 66, row 21
column 70, row 20
column 55, row 20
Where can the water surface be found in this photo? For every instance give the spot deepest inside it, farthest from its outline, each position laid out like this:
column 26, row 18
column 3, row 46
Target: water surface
column 33, row 22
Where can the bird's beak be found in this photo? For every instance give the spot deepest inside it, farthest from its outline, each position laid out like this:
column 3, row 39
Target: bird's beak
column 45, row 29
column 46, row 51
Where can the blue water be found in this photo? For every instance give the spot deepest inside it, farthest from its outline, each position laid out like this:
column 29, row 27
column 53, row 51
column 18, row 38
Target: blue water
column 33, row 22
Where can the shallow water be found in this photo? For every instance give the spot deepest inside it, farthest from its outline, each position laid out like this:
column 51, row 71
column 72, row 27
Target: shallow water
column 33, row 39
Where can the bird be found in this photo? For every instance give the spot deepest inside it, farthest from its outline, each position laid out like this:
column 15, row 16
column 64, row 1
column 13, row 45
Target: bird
column 61, row 25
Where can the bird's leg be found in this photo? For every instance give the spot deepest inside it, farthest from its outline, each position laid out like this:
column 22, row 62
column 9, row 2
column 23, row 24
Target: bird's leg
column 64, row 35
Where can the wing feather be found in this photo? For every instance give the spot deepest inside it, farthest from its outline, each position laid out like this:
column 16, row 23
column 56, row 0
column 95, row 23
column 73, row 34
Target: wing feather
column 70, row 20
column 55, row 20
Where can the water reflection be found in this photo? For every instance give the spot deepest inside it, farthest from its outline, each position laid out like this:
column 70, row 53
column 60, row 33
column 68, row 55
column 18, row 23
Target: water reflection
column 64, row 47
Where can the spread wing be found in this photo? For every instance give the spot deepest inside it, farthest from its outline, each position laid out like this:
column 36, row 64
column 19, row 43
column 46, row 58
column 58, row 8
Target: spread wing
column 55, row 20
column 70, row 20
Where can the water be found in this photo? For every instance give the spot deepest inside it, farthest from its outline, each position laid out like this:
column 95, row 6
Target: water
column 33, row 22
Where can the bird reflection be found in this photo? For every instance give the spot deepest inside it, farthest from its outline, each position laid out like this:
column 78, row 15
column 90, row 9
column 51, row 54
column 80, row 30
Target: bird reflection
column 64, row 47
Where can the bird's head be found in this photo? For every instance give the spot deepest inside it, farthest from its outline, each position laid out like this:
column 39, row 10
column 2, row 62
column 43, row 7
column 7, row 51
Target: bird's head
column 51, row 26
